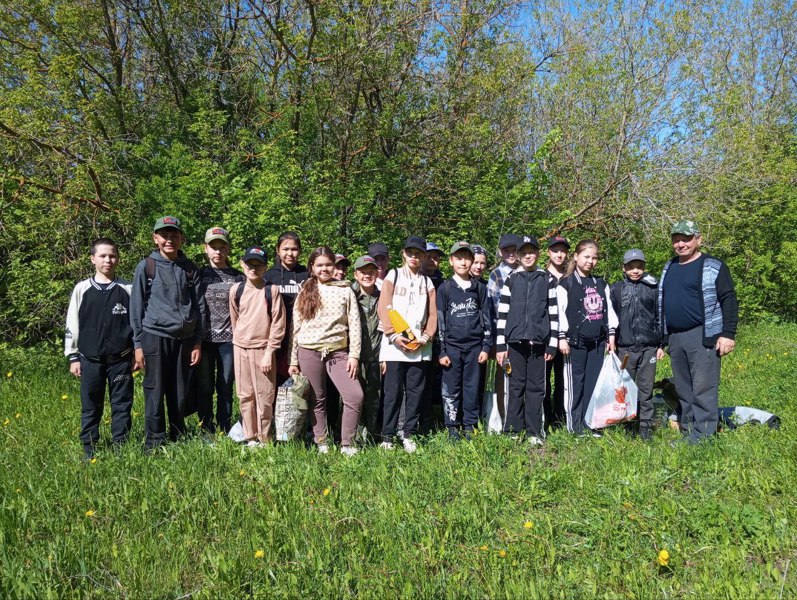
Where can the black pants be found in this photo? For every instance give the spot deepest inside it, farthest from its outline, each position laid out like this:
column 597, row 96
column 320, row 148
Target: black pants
column 554, row 408
column 641, row 367
column 168, row 374
column 94, row 376
column 460, row 388
column 581, row 372
column 526, row 389
column 401, row 377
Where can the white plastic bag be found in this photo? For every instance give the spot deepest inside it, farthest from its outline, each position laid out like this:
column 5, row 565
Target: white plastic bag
column 492, row 416
column 614, row 399
column 290, row 413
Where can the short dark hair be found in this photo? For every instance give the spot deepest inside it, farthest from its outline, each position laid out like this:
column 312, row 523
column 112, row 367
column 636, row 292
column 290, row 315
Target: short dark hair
column 103, row 241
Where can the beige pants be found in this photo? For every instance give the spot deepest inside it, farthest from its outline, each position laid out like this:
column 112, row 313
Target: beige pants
column 256, row 392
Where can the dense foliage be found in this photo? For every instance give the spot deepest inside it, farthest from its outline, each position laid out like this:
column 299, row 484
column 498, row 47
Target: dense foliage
column 360, row 121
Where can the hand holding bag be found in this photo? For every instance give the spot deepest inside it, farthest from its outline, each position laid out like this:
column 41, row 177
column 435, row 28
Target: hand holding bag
column 614, row 399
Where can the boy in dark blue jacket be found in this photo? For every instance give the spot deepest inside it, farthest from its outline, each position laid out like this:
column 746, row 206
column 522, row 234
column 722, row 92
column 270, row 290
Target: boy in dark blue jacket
column 528, row 328
column 635, row 300
column 464, row 327
column 166, row 316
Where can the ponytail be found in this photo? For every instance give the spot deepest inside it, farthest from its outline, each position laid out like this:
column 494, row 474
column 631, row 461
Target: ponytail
column 308, row 302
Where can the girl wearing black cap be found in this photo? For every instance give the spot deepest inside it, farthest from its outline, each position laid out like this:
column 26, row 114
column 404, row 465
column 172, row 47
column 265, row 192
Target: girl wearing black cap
column 412, row 295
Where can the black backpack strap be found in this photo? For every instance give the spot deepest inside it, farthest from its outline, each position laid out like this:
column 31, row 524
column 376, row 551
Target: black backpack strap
column 149, row 273
column 240, row 292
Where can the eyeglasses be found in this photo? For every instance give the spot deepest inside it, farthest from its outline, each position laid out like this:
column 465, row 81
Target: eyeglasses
column 258, row 266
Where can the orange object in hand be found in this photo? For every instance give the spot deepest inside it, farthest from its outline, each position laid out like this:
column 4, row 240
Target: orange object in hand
column 402, row 328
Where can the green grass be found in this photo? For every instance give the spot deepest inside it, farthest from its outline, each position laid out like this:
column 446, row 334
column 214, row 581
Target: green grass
column 206, row 521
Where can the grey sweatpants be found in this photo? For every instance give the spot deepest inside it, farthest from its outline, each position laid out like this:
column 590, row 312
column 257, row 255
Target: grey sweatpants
column 696, row 371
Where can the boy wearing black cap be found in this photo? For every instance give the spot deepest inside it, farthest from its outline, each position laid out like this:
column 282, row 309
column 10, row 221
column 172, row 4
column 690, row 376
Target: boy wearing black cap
column 379, row 252
column 638, row 335
column 166, row 317
column 527, row 334
column 99, row 346
column 258, row 328
column 464, row 328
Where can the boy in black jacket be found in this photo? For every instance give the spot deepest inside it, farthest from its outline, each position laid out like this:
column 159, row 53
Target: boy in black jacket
column 528, row 328
column 99, row 345
column 635, row 300
column 464, row 326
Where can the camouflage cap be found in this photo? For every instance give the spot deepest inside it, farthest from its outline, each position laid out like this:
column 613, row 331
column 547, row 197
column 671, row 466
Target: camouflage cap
column 364, row 261
column 685, row 227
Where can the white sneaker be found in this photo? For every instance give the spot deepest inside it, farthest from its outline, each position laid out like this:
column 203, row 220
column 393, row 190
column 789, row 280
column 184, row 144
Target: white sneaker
column 386, row 445
column 253, row 444
column 323, row 449
column 409, row 445
column 535, row 441
column 349, row 450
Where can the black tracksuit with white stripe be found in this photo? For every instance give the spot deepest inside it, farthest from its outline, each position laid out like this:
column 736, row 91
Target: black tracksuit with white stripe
column 528, row 328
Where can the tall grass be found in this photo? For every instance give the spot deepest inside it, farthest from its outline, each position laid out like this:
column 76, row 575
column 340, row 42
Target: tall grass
column 489, row 518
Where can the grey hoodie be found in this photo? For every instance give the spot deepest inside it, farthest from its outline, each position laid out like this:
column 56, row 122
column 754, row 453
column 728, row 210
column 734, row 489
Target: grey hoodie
column 173, row 310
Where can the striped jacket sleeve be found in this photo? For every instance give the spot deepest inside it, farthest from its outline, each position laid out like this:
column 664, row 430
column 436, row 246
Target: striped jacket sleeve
column 553, row 314
column 503, row 312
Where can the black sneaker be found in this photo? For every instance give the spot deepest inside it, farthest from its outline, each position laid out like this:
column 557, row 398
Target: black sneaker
column 453, row 435
column 645, row 433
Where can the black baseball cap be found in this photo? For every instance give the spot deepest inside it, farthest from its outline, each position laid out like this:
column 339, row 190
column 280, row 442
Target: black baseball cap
column 507, row 240
column 416, row 242
column 558, row 239
column 377, row 249
column 255, row 253
column 528, row 240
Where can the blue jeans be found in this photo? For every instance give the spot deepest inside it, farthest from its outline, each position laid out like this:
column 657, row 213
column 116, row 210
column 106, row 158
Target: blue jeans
column 215, row 371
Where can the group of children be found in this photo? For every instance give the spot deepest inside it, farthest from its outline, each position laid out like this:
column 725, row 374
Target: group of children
column 383, row 346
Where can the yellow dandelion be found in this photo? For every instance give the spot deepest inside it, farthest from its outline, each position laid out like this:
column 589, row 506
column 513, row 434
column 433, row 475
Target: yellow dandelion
column 6, row 422
column 64, row 397
column 627, row 505
column 326, row 491
column 241, row 472
column 19, row 490
column 90, row 513
column 10, row 374
column 502, row 553
column 483, row 548
column 664, row 558
column 259, row 554
column 135, row 413
column 528, row 525
column 93, row 460
column 18, row 415
column 785, row 354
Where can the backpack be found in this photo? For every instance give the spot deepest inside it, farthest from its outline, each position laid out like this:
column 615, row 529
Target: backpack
column 240, row 292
